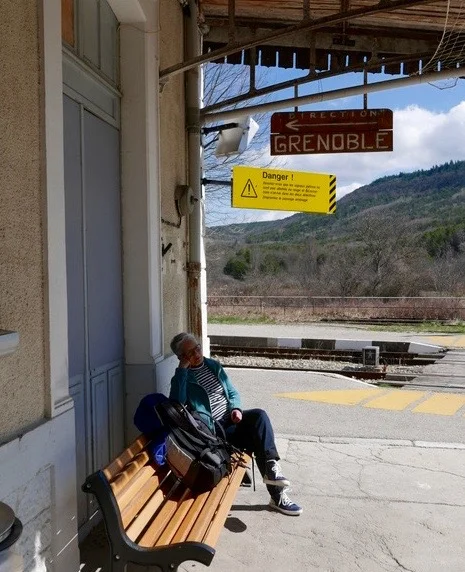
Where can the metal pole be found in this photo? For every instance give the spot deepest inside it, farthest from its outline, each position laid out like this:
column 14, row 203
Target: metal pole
column 309, row 25
column 334, row 94
column 195, row 221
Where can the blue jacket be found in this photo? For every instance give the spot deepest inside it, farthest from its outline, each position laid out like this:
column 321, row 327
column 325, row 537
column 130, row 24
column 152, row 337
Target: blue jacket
column 184, row 388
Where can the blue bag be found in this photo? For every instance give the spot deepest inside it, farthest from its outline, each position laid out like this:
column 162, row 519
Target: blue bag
column 148, row 422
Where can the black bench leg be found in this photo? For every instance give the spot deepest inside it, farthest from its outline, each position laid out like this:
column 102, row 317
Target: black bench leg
column 120, row 566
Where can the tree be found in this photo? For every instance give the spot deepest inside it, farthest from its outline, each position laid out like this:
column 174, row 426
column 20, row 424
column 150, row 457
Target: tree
column 220, row 81
column 385, row 251
column 239, row 264
column 444, row 241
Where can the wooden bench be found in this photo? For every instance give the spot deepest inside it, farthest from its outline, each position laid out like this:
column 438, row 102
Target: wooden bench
column 151, row 518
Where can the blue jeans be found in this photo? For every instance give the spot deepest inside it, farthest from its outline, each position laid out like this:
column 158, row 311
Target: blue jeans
column 254, row 434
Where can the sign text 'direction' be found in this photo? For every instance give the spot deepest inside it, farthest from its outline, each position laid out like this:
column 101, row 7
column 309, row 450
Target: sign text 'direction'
column 342, row 120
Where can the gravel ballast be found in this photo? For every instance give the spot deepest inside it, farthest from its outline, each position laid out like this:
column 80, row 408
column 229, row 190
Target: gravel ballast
column 309, row 364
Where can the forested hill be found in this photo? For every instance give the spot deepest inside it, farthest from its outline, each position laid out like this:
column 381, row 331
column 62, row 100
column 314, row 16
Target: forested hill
column 421, row 201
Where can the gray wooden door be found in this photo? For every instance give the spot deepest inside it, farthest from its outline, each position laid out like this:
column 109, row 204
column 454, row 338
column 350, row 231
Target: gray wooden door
column 94, row 275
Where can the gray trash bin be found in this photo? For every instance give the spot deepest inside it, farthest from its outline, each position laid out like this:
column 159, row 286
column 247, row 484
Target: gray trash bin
column 10, row 530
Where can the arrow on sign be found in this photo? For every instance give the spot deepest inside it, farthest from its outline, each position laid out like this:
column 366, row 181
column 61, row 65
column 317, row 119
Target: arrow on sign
column 295, row 125
column 347, row 120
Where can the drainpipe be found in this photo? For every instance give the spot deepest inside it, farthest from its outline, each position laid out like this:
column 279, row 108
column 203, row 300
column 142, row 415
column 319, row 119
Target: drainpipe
column 196, row 272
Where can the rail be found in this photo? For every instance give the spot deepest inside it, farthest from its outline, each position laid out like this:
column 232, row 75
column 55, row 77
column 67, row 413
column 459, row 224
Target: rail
column 340, row 307
column 355, row 356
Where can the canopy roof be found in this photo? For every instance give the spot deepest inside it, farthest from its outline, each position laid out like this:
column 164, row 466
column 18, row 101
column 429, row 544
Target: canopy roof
column 333, row 37
column 338, row 32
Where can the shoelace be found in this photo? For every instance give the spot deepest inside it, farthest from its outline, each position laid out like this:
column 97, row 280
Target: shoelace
column 276, row 469
column 284, row 499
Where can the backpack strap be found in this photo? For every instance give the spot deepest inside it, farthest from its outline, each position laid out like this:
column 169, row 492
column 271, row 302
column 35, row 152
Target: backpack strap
column 170, row 416
column 175, row 415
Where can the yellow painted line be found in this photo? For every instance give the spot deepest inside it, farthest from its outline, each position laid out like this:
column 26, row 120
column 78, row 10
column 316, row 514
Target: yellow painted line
column 393, row 399
column 441, row 404
column 449, row 341
column 396, row 400
column 335, row 396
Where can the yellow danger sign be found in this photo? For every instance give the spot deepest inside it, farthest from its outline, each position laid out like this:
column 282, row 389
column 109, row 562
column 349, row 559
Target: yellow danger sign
column 278, row 190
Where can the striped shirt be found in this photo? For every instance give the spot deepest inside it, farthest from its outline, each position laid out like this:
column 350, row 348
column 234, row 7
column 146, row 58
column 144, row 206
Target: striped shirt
column 208, row 380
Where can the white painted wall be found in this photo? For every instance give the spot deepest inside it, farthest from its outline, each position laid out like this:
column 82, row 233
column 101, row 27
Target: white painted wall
column 38, row 481
column 141, row 188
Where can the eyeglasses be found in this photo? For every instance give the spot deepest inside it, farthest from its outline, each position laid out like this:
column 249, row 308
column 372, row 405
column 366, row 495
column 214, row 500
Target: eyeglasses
column 191, row 352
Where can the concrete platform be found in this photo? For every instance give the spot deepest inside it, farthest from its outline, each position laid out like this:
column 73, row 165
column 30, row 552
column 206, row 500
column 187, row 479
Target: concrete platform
column 323, row 331
column 369, row 506
column 325, row 344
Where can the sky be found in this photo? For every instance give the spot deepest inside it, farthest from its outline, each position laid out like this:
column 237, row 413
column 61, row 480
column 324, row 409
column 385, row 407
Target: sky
column 428, row 130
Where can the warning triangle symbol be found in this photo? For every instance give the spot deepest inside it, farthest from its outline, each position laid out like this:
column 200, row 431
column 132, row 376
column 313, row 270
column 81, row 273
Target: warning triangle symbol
column 249, row 190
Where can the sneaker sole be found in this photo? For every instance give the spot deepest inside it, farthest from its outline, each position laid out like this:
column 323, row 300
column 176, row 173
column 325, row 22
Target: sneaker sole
column 286, row 512
column 283, row 483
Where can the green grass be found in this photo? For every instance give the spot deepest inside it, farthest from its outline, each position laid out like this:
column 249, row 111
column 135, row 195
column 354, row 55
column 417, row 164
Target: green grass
column 427, row 327
column 212, row 319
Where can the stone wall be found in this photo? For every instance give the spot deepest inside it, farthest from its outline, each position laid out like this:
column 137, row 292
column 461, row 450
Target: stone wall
column 22, row 374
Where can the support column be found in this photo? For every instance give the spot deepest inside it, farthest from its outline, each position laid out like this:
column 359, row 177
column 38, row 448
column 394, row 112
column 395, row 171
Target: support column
column 197, row 290
column 140, row 198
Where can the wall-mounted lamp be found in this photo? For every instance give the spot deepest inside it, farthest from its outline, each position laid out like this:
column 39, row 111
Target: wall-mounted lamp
column 235, row 136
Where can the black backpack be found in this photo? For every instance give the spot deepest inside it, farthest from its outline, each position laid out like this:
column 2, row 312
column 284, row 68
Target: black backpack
column 198, row 457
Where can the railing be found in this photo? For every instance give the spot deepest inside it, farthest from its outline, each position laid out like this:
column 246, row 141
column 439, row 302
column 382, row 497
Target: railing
column 334, row 307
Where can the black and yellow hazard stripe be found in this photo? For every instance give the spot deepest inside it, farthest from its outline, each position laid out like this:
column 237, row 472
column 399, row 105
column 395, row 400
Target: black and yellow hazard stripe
column 332, row 194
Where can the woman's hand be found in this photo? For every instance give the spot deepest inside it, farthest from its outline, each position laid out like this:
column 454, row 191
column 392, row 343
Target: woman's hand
column 236, row 415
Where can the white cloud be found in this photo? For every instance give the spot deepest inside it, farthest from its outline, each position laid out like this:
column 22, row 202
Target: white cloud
column 256, row 215
column 345, row 190
column 422, row 139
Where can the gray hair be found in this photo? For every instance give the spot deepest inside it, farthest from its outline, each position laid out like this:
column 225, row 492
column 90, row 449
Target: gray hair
column 178, row 341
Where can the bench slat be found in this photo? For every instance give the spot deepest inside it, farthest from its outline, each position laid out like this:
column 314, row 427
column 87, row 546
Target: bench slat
column 127, row 455
column 163, row 518
column 133, row 487
column 168, row 534
column 128, row 471
column 134, row 505
column 145, row 516
column 203, row 520
column 194, row 511
column 224, row 507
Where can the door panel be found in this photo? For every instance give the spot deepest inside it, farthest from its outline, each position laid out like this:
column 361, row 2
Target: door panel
column 77, row 393
column 116, row 413
column 74, row 236
column 100, row 421
column 103, row 241
column 94, row 275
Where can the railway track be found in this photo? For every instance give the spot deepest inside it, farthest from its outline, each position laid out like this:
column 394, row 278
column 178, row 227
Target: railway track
column 381, row 321
column 385, row 358
column 351, row 361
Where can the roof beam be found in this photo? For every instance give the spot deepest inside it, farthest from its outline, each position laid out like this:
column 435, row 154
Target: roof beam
column 232, row 20
column 232, row 47
column 332, row 94
column 260, row 92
